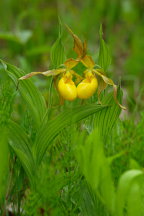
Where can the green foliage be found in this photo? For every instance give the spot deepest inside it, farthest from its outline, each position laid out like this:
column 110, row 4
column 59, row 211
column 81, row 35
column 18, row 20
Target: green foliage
column 106, row 119
column 21, row 144
column 104, row 59
column 6, row 98
column 90, row 153
column 57, row 50
column 129, row 191
column 29, row 92
column 47, row 131
column 95, row 167
column 4, row 164
column 32, row 153
column 127, row 197
column 52, row 128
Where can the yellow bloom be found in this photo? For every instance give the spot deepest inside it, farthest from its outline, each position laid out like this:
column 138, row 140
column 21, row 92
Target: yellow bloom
column 94, row 79
column 88, row 86
column 103, row 80
column 67, row 88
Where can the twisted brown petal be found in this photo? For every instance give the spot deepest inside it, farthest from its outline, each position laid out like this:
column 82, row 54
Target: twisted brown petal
column 79, row 47
column 45, row 73
column 109, row 81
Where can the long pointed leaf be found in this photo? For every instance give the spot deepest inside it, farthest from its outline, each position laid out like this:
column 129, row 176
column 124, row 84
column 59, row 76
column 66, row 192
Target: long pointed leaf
column 50, row 130
column 29, row 92
column 21, row 144
column 106, row 118
column 4, row 162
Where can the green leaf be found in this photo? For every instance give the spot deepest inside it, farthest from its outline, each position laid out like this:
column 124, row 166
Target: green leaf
column 52, row 128
column 57, row 53
column 4, row 162
column 6, row 99
column 133, row 164
column 95, row 167
column 124, row 186
column 104, row 59
column 135, row 203
column 22, row 146
column 107, row 188
column 106, row 118
column 29, row 92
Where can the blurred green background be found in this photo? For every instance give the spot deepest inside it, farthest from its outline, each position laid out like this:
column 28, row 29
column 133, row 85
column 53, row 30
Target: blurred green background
column 29, row 28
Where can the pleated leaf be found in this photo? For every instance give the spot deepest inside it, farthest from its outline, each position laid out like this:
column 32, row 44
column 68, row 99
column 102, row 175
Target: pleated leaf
column 57, row 53
column 104, row 59
column 106, row 118
column 52, row 128
column 4, row 163
column 29, row 92
column 21, row 145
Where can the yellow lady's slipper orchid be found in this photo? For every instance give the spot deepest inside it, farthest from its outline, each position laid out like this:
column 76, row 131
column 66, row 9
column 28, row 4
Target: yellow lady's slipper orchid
column 87, row 61
column 67, row 88
column 87, row 87
column 95, row 79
